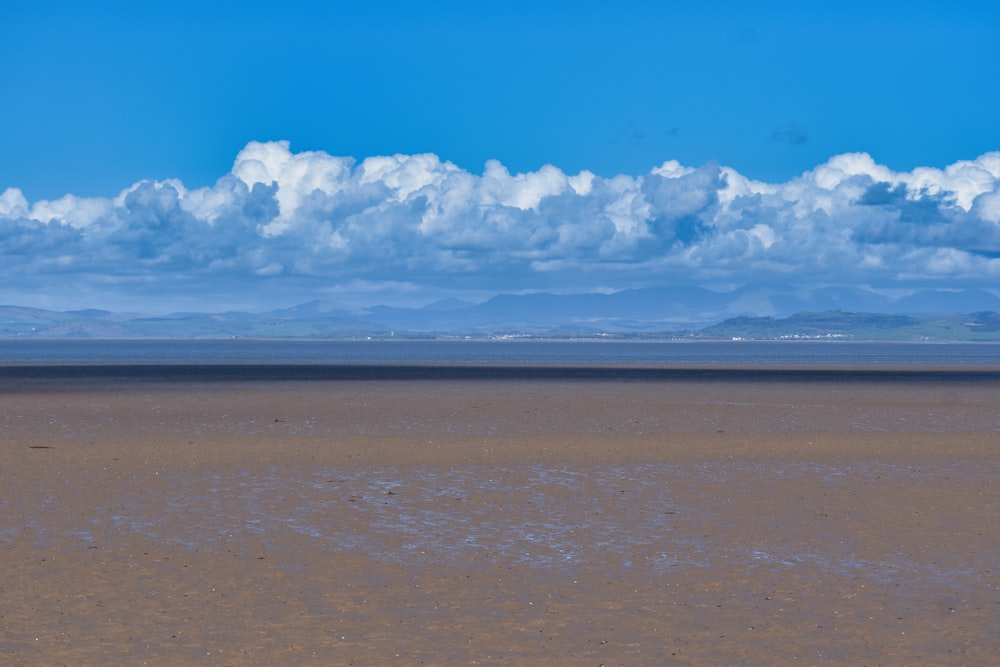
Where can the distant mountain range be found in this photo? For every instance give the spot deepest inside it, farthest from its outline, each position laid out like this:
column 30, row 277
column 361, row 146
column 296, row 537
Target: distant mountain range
column 671, row 311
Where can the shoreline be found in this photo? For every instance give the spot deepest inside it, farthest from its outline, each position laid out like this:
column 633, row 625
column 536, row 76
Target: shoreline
column 14, row 376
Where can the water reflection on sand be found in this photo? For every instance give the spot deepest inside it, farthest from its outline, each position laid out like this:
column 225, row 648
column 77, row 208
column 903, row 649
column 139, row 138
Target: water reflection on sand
column 570, row 518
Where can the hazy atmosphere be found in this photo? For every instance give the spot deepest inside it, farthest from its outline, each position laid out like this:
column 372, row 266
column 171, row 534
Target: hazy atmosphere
column 250, row 157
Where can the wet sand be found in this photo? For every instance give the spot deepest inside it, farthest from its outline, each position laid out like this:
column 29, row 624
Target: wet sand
column 531, row 520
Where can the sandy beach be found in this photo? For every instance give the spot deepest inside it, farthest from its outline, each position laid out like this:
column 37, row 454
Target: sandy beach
column 527, row 521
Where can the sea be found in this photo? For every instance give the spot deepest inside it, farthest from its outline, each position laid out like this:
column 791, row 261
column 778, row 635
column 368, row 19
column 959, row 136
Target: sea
column 731, row 354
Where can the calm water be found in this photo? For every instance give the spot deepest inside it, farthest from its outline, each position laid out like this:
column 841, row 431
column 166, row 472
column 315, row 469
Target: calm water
column 728, row 353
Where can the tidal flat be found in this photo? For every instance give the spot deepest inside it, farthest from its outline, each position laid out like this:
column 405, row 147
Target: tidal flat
column 530, row 520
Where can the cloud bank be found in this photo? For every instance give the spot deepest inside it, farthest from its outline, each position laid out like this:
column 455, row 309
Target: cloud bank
column 284, row 226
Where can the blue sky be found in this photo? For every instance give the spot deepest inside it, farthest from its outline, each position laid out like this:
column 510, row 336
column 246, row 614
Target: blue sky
column 99, row 97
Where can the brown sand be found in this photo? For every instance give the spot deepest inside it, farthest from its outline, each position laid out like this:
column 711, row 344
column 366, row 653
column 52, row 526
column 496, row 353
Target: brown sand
column 509, row 523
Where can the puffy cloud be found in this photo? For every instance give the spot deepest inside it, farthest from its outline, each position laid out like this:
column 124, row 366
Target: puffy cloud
column 312, row 222
column 297, row 176
column 13, row 203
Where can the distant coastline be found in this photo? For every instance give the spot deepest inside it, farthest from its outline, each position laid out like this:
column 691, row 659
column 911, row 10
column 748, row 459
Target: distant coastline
column 523, row 321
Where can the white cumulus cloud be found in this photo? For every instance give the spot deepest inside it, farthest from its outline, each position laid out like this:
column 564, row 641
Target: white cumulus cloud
column 310, row 221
